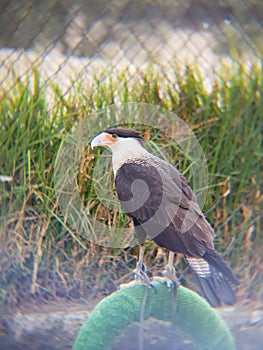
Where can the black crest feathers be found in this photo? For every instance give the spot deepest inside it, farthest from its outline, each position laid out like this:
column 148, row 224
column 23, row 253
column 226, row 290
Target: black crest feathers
column 125, row 132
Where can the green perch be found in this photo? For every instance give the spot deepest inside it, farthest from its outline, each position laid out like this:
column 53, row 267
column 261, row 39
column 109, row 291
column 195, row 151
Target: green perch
column 194, row 317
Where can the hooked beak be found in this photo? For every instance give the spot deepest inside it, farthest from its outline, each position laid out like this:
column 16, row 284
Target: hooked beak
column 103, row 139
column 96, row 141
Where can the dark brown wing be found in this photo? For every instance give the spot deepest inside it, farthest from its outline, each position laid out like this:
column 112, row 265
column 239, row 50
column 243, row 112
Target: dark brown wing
column 159, row 199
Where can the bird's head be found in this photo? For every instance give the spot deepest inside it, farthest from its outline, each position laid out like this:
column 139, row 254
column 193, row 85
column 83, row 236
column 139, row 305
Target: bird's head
column 124, row 143
column 113, row 137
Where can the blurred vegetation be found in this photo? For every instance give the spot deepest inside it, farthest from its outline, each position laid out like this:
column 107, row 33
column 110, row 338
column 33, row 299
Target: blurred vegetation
column 41, row 256
column 48, row 23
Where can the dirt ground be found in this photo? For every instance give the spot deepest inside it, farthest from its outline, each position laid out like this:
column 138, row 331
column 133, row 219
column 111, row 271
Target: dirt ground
column 55, row 325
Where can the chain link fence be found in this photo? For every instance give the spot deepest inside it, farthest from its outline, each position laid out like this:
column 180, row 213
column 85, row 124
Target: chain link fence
column 69, row 41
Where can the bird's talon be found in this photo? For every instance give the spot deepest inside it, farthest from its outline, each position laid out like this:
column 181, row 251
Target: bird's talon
column 170, row 277
column 170, row 284
column 141, row 274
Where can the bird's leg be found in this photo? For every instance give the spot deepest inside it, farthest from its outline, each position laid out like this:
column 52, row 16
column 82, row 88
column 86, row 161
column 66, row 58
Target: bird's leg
column 169, row 272
column 161, row 256
column 141, row 270
column 172, row 283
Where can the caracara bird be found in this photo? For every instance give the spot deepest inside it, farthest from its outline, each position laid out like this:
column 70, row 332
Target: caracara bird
column 163, row 206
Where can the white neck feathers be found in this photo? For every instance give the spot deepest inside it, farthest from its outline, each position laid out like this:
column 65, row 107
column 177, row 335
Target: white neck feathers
column 125, row 150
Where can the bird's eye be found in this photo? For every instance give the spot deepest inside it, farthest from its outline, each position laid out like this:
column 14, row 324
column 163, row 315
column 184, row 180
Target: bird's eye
column 114, row 136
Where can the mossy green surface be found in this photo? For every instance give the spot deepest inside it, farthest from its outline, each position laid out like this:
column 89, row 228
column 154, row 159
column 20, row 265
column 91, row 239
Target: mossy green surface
column 194, row 317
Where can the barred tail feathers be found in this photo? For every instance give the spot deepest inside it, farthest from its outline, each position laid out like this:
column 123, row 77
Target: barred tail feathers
column 213, row 282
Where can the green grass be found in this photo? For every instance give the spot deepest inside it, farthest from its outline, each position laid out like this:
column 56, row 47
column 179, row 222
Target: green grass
column 41, row 255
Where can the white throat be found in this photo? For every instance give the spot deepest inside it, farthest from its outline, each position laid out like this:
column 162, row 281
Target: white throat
column 124, row 150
